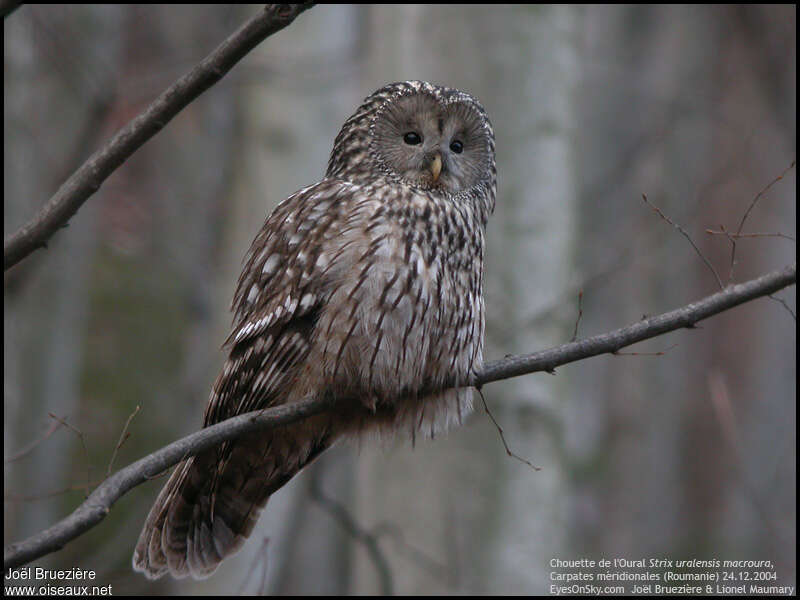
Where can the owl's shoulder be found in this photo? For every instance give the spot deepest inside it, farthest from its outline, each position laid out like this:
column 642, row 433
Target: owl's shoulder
column 290, row 255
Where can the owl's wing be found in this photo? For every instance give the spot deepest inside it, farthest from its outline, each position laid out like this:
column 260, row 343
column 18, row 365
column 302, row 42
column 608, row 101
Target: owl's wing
column 212, row 501
column 284, row 284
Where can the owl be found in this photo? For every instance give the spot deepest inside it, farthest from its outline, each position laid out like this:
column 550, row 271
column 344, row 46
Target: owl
column 365, row 288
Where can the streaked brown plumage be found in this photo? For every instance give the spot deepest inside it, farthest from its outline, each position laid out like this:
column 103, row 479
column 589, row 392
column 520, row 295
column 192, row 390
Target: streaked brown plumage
column 366, row 286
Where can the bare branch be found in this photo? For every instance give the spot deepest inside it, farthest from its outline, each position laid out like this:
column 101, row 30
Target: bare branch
column 686, row 235
column 647, row 328
column 99, row 503
column 89, row 177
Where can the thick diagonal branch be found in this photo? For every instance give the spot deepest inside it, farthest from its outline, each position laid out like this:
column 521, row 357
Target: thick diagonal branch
column 90, row 176
column 99, row 503
column 649, row 327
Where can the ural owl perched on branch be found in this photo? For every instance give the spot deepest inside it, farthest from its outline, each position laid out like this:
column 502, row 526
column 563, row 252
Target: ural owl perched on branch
column 367, row 287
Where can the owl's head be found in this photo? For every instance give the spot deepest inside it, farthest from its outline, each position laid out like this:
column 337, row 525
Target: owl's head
column 430, row 137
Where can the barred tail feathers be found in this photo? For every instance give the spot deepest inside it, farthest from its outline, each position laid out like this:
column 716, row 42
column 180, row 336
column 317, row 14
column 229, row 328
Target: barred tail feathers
column 208, row 508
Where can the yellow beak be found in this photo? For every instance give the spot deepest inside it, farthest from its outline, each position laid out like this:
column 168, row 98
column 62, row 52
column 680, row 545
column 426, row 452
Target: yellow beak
column 436, row 167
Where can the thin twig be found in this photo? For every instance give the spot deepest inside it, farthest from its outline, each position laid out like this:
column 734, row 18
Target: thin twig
column 661, row 353
column 730, row 237
column 503, row 437
column 30, row 447
column 122, row 437
column 89, row 177
column 45, row 495
column 580, row 314
column 686, row 235
column 750, row 208
column 749, row 235
column 79, row 433
column 98, row 505
column 786, row 306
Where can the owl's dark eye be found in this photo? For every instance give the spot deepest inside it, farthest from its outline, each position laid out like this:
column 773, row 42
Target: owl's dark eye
column 456, row 146
column 412, row 138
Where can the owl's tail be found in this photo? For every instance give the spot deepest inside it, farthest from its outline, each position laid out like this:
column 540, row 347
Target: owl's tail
column 209, row 506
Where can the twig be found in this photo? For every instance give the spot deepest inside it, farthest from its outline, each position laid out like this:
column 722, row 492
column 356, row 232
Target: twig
column 100, row 501
column 46, row 495
column 503, row 437
column 661, row 353
column 89, row 177
column 686, row 235
column 580, row 314
column 750, row 208
column 30, row 447
column 79, row 433
column 749, row 235
column 786, row 306
column 122, row 437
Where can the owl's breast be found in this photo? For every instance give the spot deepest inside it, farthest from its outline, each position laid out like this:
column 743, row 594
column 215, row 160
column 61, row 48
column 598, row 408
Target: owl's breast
column 407, row 313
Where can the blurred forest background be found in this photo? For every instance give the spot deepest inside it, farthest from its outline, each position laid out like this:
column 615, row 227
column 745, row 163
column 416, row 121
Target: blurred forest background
column 690, row 454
